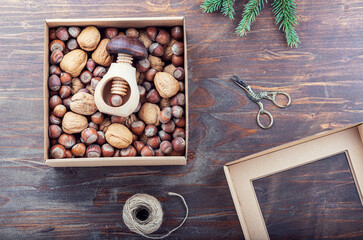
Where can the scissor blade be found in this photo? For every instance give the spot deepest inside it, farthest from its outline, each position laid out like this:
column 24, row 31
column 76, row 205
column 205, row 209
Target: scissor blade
column 240, row 81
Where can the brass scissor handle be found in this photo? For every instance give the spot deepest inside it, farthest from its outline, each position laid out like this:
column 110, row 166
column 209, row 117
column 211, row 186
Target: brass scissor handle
column 263, row 111
column 272, row 97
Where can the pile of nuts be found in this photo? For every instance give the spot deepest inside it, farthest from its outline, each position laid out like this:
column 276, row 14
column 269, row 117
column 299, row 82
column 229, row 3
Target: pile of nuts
column 79, row 59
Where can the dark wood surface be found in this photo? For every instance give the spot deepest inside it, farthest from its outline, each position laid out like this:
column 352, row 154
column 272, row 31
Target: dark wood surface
column 324, row 78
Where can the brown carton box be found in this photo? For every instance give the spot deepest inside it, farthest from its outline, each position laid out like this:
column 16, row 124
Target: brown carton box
column 112, row 161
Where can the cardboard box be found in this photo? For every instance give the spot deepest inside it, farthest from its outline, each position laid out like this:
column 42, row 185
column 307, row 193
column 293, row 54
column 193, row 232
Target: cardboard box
column 112, row 161
column 242, row 172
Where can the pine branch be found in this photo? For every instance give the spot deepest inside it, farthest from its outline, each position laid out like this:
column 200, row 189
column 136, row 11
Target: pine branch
column 251, row 10
column 209, row 6
column 227, row 8
column 285, row 14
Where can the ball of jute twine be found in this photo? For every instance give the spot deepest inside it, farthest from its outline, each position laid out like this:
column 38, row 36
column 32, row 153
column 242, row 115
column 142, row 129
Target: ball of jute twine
column 154, row 217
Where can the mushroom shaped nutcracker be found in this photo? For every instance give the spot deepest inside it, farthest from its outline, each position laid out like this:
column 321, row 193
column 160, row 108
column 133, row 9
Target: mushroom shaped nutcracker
column 117, row 93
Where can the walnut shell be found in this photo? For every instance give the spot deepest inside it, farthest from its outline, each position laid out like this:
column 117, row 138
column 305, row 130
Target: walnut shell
column 90, row 89
column 89, row 38
column 105, row 124
column 83, row 103
column 76, row 85
column 156, row 63
column 169, row 69
column 74, row 62
column 166, row 84
column 144, row 38
column 74, row 123
column 168, row 53
column 149, row 113
column 118, row 135
column 130, row 119
column 101, row 55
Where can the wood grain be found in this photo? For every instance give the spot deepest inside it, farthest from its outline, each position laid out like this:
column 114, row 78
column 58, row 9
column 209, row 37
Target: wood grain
column 323, row 77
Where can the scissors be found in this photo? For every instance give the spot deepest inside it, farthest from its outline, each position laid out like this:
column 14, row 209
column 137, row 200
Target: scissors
column 257, row 97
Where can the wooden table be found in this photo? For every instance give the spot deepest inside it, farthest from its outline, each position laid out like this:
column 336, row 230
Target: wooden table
column 323, row 77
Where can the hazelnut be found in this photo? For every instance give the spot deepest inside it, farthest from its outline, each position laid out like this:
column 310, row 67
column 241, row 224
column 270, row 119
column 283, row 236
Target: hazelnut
column 130, row 151
column 143, row 65
column 93, row 151
column 52, row 35
column 148, row 86
column 182, row 88
column 111, row 32
column 67, row 102
column 164, row 136
column 74, row 31
column 54, row 101
column 76, row 85
column 166, row 84
column 151, row 32
column 166, row 147
column 179, row 73
column 179, row 132
column 59, row 110
column 58, row 151
column 117, row 151
column 178, row 48
column 178, row 100
column 147, row 151
column 105, row 124
column 177, row 111
column 67, row 140
column 89, row 136
column 153, row 142
column 117, row 119
column 168, row 53
column 135, row 137
column 107, row 150
column 156, row 49
column 89, row 38
column 179, row 122
column 144, row 38
column 165, row 115
column 62, row 33
column 57, row 45
column 178, row 144
column 143, row 139
column 84, row 90
column 83, row 103
column 138, row 146
column 54, row 120
column 90, row 65
column 53, row 69
column 99, row 71
column 150, row 74
column 151, row 130
column 86, row 77
column 53, row 141
column 93, row 125
column 168, row 127
column 156, row 63
column 163, row 37
column 101, row 55
column 149, row 113
column 97, row 117
column 138, row 127
column 65, row 78
column 118, row 135
column 74, row 62
column 54, row 131
column 52, row 93
column 94, row 82
column 159, row 153
column 79, row 150
column 69, row 154
column 132, row 32
column 153, row 96
column 164, row 102
column 101, row 139
column 74, row 123
column 54, row 83
column 177, row 32
column 169, row 69
column 178, row 61
column 140, row 78
column 65, row 91
column 72, row 44
column 142, row 92
column 115, row 100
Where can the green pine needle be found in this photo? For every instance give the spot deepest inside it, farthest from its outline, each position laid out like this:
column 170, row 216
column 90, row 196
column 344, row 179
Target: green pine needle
column 251, row 10
column 285, row 14
column 209, row 6
column 227, row 8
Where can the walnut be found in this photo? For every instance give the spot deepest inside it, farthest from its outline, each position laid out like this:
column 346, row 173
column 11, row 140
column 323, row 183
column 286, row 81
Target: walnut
column 89, row 38
column 145, row 39
column 149, row 113
column 76, row 85
column 83, row 103
column 130, row 119
column 101, row 55
column 118, row 135
column 168, row 53
column 90, row 89
column 156, row 63
column 74, row 62
column 74, row 123
column 166, row 84
column 169, row 69
column 105, row 124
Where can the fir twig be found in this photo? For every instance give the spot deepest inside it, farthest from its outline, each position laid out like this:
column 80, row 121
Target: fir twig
column 227, row 8
column 251, row 10
column 209, row 6
column 285, row 14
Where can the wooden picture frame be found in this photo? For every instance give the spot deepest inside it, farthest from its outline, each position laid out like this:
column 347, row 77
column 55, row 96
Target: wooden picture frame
column 240, row 174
